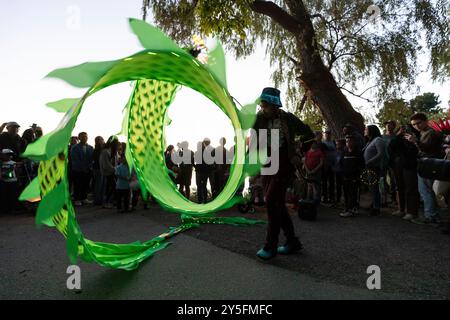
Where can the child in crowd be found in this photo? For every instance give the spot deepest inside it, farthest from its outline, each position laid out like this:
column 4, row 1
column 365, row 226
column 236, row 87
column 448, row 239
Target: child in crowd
column 136, row 192
column 8, row 181
column 352, row 164
column 314, row 161
column 123, row 186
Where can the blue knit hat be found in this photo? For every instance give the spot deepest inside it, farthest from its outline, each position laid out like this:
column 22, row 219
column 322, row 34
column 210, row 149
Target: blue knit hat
column 272, row 96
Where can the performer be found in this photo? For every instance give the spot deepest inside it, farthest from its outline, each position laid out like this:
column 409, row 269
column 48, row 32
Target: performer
column 272, row 117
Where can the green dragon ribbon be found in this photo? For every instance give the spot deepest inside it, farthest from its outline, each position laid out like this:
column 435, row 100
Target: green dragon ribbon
column 158, row 72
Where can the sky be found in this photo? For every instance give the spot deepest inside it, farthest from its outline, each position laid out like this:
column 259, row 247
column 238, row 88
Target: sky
column 37, row 37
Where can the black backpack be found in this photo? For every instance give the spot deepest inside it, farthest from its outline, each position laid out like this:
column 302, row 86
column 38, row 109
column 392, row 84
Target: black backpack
column 435, row 169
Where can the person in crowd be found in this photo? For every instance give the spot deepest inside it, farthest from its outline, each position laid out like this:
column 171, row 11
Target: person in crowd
column 186, row 168
column 256, row 189
column 350, row 129
column 28, row 137
column 170, row 164
column 204, row 169
column 122, row 150
column 272, row 117
column 96, row 174
column 122, row 172
column 73, row 142
column 299, row 184
column 314, row 161
column 446, row 226
column 388, row 136
column 221, row 168
column 108, row 161
column 38, row 133
column 29, row 166
column 429, row 145
column 82, row 159
column 8, row 182
column 338, row 170
column 329, row 178
column 404, row 161
column 136, row 192
column 374, row 154
column 352, row 164
column 11, row 140
column 231, row 153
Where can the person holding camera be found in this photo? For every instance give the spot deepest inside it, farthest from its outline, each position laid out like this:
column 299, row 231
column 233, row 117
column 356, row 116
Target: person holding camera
column 429, row 145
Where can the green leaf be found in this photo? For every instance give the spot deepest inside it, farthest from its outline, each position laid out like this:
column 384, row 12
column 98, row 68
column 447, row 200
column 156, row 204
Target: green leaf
column 63, row 105
column 247, row 116
column 54, row 142
column 32, row 191
column 216, row 64
column 84, row 75
column 152, row 38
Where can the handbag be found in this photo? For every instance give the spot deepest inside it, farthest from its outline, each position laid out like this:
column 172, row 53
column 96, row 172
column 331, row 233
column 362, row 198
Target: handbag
column 435, row 169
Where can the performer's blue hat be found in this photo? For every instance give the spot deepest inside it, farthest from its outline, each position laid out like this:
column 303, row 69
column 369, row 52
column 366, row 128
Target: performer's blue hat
column 272, row 96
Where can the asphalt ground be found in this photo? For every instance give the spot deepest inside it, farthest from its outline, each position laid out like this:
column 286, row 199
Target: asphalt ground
column 219, row 262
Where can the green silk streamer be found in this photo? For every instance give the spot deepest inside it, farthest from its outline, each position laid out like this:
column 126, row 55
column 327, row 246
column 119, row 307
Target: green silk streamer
column 158, row 72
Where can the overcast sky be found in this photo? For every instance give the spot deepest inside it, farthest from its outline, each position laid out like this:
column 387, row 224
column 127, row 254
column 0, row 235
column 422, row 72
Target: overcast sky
column 37, row 37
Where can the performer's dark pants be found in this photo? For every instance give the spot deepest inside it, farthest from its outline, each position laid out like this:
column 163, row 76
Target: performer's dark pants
column 278, row 216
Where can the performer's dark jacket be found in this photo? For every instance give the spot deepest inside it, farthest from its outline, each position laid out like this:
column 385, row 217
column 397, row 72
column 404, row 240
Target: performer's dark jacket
column 294, row 130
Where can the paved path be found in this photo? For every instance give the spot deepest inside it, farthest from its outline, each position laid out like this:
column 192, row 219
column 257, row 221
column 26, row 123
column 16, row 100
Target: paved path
column 202, row 263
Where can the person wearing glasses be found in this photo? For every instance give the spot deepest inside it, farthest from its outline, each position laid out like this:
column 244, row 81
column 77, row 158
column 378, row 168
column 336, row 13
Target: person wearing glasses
column 429, row 145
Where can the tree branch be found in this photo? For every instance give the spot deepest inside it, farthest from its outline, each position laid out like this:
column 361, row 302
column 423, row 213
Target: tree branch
column 359, row 95
column 277, row 14
column 145, row 5
column 302, row 103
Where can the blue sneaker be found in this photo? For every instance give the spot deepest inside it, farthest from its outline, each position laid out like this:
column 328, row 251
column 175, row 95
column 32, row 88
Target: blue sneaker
column 290, row 248
column 266, row 254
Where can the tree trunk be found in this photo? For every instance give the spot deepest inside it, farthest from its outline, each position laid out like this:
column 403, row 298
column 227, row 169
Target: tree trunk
column 324, row 91
column 334, row 106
